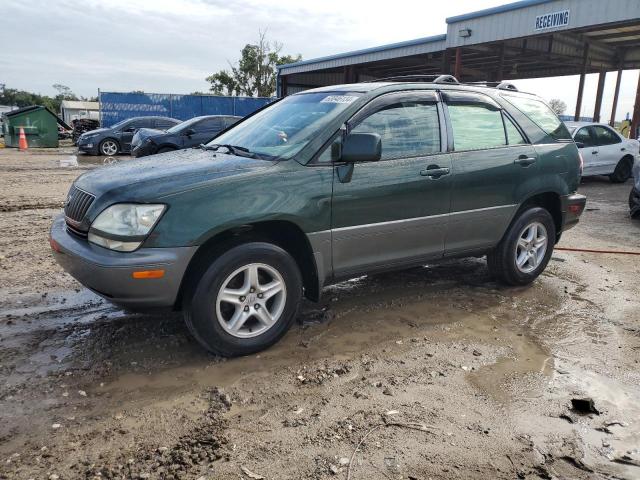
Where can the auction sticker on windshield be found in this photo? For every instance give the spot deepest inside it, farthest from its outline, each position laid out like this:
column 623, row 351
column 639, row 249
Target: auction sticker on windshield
column 338, row 99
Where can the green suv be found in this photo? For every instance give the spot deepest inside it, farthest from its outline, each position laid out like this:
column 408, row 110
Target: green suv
column 319, row 187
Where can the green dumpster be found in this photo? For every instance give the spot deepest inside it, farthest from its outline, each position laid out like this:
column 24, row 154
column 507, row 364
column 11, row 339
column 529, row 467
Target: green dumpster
column 40, row 127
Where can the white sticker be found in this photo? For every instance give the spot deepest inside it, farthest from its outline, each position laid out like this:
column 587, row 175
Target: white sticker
column 338, row 99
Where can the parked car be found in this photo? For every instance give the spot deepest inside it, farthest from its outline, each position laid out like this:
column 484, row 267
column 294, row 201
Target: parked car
column 117, row 138
column 322, row 186
column 634, row 196
column 604, row 151
column 190, row 133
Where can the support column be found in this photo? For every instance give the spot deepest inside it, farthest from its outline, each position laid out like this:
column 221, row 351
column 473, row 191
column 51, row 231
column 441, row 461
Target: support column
column 636, row 114
column 283, row 86
column 445, row 62
column 457, row 72
column 599, row 93
column 500, row 72
column 585, row 57
column 616, row 95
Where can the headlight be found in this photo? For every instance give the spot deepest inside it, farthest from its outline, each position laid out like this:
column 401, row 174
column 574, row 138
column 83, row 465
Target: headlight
column 124, row 226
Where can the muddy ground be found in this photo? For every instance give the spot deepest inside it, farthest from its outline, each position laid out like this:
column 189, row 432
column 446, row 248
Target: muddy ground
column 435, row 372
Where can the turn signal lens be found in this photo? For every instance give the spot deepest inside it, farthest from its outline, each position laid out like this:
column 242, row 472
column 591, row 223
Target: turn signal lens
column 148, row 274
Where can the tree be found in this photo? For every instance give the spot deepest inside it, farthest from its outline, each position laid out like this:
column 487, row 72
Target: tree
column 64, row 92
column 255, row 73
column 558, row 106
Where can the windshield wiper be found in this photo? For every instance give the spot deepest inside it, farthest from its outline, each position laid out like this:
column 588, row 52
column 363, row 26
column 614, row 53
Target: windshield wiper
column 233, row 149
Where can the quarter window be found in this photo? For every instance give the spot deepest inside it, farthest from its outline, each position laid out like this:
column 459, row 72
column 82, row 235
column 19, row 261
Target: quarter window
column 476, row 127
column 540, row 114
column 407, row 129
column 604, row 136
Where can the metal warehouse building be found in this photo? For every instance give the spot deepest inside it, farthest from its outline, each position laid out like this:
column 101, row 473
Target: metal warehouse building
column 525, row 39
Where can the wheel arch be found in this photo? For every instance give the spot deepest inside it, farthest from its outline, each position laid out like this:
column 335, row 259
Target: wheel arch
column 550, row 201
column 285, row 234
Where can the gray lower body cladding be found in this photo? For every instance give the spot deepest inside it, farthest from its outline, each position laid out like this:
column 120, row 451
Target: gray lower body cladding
column 110, row 273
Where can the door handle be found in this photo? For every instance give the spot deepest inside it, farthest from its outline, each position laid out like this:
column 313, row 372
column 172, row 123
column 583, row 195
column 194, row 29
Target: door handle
column 594, row 152
column 623, row 149
column 435, row 171
column 525, row 161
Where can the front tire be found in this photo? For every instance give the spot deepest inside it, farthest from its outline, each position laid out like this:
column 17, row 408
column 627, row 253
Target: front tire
column 108, row 147
column 623, row 170
column 246, row 300
column 526, row 248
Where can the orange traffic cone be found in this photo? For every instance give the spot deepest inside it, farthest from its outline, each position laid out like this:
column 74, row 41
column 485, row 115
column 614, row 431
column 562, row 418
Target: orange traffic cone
column 22, row 143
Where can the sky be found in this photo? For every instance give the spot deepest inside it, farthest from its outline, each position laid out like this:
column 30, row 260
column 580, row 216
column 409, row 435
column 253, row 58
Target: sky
column 171, row 46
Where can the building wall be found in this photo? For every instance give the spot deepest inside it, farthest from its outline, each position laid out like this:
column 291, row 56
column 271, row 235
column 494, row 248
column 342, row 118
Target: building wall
column 521, row 22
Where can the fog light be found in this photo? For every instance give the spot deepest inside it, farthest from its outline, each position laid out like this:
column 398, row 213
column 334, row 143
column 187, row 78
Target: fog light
column 575, row 209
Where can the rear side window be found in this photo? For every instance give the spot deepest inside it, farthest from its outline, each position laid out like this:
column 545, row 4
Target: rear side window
column 540, row 114
column 407, row 129
column 476, row 126
column 604, row 136
column 164, row 124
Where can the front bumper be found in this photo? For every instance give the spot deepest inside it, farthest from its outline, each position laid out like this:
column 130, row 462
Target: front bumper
column 572, row 207
column 143, row 150
column 110, row 274
column 88, row 146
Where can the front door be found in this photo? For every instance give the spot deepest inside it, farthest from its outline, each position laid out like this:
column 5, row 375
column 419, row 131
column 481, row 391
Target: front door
column 394, row 211
column 493, row 166
column 585, row 136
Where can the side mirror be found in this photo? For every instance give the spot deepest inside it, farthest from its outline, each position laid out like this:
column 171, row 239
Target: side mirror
column 579, row 144
column 189, row 131
column 362, row 147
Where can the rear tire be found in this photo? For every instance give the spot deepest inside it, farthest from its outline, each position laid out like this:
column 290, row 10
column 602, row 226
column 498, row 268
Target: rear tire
column 524, row 252
column 623, row 170
column 245, row 301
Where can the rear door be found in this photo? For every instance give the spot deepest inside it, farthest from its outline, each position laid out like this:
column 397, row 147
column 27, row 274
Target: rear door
column 610, row 149
column 394, row 211
column 589, row 150
column 493, row 167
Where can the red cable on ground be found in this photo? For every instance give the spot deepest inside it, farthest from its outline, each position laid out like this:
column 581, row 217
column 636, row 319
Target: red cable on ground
column 586, row 250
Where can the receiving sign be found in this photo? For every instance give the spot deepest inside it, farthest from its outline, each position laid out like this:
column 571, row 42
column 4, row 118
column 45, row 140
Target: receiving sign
column 552, row 20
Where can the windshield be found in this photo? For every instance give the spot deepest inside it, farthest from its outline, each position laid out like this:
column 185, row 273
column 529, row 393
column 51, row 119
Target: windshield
column 285, row 128
column 181, row 126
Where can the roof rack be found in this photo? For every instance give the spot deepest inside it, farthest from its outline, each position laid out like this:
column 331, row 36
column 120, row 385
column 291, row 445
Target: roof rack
column 444, row 79
column 499, row 85
column 417, row 78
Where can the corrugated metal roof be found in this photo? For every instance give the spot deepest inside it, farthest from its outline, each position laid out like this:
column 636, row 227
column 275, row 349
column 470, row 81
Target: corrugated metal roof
column 393, row 50
column 80, row 105
column 499, row 9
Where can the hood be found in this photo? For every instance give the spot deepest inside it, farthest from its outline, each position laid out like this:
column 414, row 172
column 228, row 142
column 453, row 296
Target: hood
column 97, row 130
column 154, row 176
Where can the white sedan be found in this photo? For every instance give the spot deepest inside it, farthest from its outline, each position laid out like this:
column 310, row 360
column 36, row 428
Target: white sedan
column 604, row 151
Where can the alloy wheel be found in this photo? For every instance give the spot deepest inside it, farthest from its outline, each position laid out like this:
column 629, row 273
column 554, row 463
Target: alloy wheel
column 251, row 300
column 109, row 147
column 531, row 247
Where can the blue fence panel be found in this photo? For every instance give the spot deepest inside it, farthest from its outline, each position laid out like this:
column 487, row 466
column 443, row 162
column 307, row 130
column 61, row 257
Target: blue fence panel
column 115, row 107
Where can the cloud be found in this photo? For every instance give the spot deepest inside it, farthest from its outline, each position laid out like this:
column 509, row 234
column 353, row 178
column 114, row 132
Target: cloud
column 172, row 45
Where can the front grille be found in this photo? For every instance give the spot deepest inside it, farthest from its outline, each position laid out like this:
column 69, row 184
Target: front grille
column 76, row 206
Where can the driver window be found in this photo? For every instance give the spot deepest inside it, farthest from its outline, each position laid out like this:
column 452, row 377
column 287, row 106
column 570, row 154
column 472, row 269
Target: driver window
column 583, row 136
column 407, row 129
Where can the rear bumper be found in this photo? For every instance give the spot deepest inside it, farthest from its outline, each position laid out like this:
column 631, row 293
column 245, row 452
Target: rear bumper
column 110, row 274
column 572, row 207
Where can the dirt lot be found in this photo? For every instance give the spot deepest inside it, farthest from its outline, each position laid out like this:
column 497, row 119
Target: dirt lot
column 435, row 372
